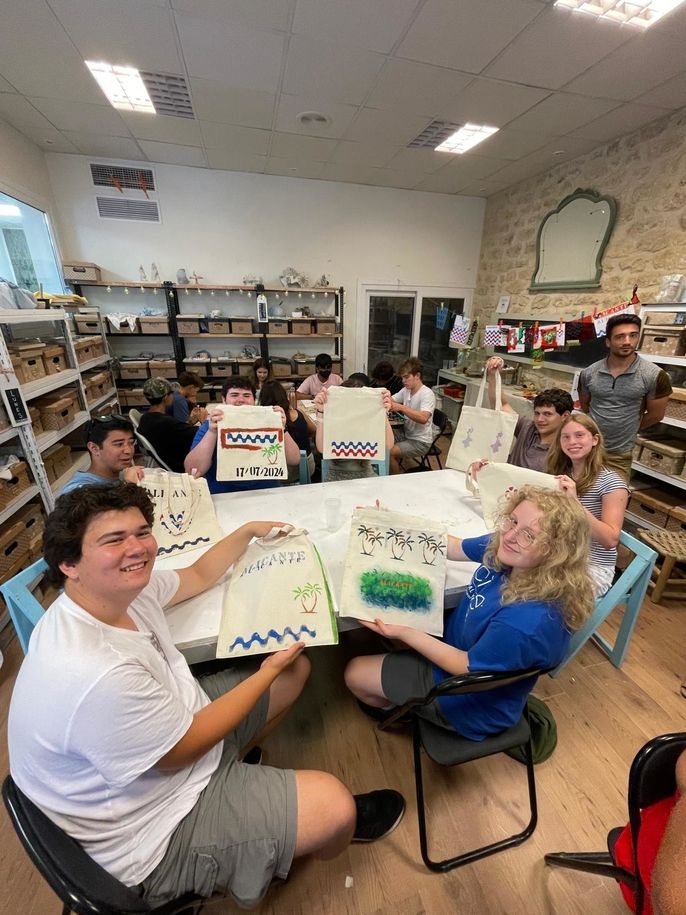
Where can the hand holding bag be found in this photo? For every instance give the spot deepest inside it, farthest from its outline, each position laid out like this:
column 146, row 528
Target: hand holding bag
column 482, row 432
column 250, row 444
column 185, row 518
column 495, row 480
column 354, row 424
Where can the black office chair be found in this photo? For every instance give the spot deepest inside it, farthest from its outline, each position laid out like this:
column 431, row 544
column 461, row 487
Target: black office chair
column 440, row 420
column 83, row 886
column 448, row 748
column 651, row 779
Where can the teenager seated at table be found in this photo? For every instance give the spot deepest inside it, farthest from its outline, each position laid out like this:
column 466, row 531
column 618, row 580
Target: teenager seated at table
column 416, row 402
column 323, row 377
column 237, row 391
column 171, row 438
column 111, row 445
column 353, row 468
column 518, row 612
column 577, row 458
column 144, row 765
column 184, row 405
column 298, row 424
column 384, row 376
column 260, row 372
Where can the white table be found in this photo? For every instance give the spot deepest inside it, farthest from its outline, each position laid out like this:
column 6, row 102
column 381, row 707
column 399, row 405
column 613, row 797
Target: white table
column 439, row 495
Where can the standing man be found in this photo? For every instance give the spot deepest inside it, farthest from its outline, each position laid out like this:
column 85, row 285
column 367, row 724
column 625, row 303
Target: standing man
column 170, row 438
column 111, row 445
column 323, row 378
column 202, row 458
column 623, row 393
column 417, row 403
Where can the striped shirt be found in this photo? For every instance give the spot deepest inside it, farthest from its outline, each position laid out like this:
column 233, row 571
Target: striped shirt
column 607, row 481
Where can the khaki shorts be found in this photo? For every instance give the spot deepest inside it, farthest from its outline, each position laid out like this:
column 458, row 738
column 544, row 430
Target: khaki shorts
column 407, row 675
column 620, row 462
column 241, row 833
column 411, row 447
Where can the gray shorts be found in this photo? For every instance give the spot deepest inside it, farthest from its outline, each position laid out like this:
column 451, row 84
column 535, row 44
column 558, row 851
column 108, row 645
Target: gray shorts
column 412, row 447
column 241, row 833
column 406, row 675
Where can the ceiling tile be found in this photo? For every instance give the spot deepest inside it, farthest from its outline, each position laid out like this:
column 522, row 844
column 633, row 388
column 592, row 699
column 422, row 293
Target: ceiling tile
column 87, row 118
column 293, row 168
column 419, row 161
column 173, row 154
column 94, row 144
column 241, row 57
column 234, row 160
column 385, row 177
column 290, row 106
column 5, row 86
column 20, row 113
column 671, row 94
column 375, row 26
column 390, row 127
column 294, row 146
column 257, row 14
column 511, row 144
column 347, row 171
column 342, row 74
column 465, row 35
column 619, row 122
column 443, row 182
column 51, row 140
column 163, row 128
column 560, row 45
column 363, row 155
column 224, row 104
column 485, row 187
column 238, row 139
column 487, row 101
column 470, row 166
column 561, row 113
column 417, row 88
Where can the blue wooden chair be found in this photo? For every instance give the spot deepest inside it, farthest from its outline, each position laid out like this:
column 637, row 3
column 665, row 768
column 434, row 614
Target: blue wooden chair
column 25, row 611
column 630, row 590
column 381, row 467
column 303, row 468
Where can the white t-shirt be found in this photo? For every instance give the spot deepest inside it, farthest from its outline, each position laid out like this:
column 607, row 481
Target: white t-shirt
column 423, row 400
column 94, row 708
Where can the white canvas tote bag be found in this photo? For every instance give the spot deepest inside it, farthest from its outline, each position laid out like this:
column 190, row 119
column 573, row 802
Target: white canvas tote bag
column 250, row 444
column 482, row 432
column 493, row 481
column 395, row 569
column 278, row 594
column 185, row 518
column 354, row 424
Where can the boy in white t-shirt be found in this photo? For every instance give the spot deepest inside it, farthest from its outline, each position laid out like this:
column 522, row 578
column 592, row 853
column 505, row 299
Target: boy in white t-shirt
column 112, row 736
column 417, row 402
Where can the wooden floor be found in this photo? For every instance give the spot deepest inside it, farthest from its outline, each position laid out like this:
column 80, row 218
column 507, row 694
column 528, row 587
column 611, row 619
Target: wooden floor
column 604, row 715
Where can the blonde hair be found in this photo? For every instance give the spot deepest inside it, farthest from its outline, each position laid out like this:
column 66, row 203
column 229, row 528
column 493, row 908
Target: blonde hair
column 557, row 462
column 562, row 576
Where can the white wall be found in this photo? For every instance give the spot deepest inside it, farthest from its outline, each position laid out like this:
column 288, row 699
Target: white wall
column 226, row 224
column 23, row 172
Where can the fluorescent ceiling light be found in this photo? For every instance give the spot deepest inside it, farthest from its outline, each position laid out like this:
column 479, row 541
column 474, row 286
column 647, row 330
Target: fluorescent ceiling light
column 123, row 86
column 642, row 13
column 465, row 138
column 9, row 209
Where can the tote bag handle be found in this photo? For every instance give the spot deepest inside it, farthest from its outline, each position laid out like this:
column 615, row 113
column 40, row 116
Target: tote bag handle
column 498, row 392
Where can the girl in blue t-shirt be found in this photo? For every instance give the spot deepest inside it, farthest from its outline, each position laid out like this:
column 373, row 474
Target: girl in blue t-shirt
column 531, row 588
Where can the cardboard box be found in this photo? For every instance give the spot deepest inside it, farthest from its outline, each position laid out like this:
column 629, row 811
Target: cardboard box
column 218, row 325
column 136, row 398
column 667, row 456
column 87, row 324
column 242, row 326
column 88, row 348
column 303, row 369
column 81, row 271
column 300, row 326
column 60, row 457
column 162, row 368
column 198, row 366
column 664, row 342
column 278, row 327
column 32, row 521
column 154, row 324
column 325, row 325
column 133, row 369
column 27, row 361
column 123, row 328
column 282, row 369
column 245, row 367
column 188, row 324
column 54, row 359
column 57, row 412
column 222, row 368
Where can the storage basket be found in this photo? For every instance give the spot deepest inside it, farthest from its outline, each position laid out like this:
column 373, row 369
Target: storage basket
column 221, row 368
column 676, row 520
column 27, row 361
column 97, row 385
column 666, row 456
column 282, row 369
column 60, row 457
column 124, row 328
column 154, row 324
column 32, row 521
column 188, row 324
column 87, row 324
column 651, row 505
column 336, row 367
column 82, row 271
column 325, row 326
column 300, row 326
column 278, row 327
column 245, row 367
column 88, row 348
column 133, row 369
column 16, row 485
column 36, row 423
column 219, row 325
column 243, row 326
column 11, row 549
column 303, row 369
column 660, row 318
column 162, row 368
column 667, row 342
column 57, row 412
column 4, row 418
column 136, row 398
column 676, row 405
column 197, row 366
column 54, row 359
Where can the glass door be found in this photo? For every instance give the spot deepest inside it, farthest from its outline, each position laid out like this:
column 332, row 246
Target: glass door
column 434, row 332
column 391, row 327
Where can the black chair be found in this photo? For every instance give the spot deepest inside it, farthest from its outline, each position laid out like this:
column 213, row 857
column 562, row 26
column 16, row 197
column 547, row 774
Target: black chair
column 651, row 779
column 82, row 885
column 448, row 748
column 440, row 420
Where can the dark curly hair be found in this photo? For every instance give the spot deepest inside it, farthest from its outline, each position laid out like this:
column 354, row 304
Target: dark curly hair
column 66, row 525
column 555, row 397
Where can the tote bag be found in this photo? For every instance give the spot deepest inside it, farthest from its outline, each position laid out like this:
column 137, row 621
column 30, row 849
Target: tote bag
column 250, row 444
column 354, row 424
column 482, row 432
column 395, row 569
column 495, row 480
column 278, row 594
column 184, row 514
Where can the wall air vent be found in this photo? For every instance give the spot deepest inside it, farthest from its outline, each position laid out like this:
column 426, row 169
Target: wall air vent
column 433, row 135
column 140, row 179
column 124, row 208
column 169, row 94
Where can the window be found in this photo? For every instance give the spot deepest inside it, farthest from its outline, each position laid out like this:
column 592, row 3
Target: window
column 28, row 256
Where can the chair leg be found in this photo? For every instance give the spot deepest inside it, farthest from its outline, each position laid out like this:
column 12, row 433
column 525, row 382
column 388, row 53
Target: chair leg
column 467, row 857
column 599, row 862
column 662, row 579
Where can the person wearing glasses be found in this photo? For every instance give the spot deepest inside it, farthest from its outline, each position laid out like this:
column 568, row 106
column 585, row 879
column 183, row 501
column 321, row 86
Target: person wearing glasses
column 530, row 590
column 111, row 444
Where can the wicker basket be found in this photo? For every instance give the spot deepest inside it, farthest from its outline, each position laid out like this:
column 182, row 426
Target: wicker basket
column 27, row 361
column 54, row 359
column 57, row 413
column 11, row 549
column 676, row 405
column 88, row 348
column 14, row 487
column 668, row 342
column 87, row 324
column 162, row 368
column 32, row 521
column 644, row 505
column 665, row 456
column 676, row 519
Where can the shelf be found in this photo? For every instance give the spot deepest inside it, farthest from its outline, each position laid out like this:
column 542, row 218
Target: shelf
column 49, row 383
column 664, row 360
column 193, row 287
column 641, row 522
column 31, row 315
column 81, row 463
column 17, row 503
column 101, row 400
column 677, row 423
column 665, row 477
column 92, row 363
column 109, row 333
column 222, row 336
column 8, row 433
column 132, row 285
column 303, row 336
column 45, row 439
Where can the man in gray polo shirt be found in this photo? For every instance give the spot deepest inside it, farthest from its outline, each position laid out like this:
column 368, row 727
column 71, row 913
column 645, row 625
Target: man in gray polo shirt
column 623, row 392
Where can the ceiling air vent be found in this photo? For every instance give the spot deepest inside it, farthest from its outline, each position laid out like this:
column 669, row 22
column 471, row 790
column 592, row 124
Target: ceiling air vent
column 123, row 208
column 433, row 135
column 169, row 94
column 140, row 179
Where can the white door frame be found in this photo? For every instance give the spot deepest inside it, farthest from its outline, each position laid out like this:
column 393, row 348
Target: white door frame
column 419, row 291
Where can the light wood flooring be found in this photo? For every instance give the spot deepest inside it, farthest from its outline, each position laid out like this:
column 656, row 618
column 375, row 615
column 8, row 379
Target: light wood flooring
column 604, row 716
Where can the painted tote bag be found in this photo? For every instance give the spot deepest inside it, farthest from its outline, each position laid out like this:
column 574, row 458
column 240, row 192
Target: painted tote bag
column 395, row 569
column 493, row 481
column 185, row 518
column 250, row 445
column 278, row 594
column 482, row 432
column 354, row 424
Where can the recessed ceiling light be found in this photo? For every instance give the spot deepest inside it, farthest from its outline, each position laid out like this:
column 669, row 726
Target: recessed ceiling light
column 642, row 13
column 312, row 117
column 465, row 138
column 123, row 86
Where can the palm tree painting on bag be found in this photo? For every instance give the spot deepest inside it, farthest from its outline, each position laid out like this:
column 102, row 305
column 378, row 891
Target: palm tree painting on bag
column 308, row 595
column 271, row 452
column 431, row 547
column 400, row 541
column 398, row 590
column 370, row 539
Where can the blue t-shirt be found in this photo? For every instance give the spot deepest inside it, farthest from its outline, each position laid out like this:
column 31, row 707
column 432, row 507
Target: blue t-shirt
column 498, row 637
column 180, row 408
column 85, row 478
column 218, row 486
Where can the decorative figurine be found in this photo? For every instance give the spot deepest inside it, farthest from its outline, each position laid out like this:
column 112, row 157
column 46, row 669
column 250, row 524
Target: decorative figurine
column 322, row 281
column 291, row 277
column 197, row 278
column 142, row 275
column 154, row 273
column 182, row 277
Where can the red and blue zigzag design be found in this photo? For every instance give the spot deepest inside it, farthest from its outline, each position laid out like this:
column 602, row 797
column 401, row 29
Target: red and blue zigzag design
column 354, row 449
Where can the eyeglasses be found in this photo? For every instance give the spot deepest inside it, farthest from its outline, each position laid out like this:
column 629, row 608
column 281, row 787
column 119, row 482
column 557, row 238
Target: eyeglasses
column 523, row 536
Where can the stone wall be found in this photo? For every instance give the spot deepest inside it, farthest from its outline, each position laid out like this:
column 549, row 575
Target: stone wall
column 645, row 172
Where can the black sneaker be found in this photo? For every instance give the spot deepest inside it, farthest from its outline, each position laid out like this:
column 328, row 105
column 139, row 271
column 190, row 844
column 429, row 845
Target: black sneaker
column 382, row 714
column 378, row 813
column 253, row 757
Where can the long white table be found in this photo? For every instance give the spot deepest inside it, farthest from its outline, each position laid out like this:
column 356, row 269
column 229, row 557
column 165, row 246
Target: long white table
column 439, row 495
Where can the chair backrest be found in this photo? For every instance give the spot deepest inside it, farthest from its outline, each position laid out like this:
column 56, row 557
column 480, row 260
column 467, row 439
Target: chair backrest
column 480, row 681
column 145, row 444
column 382, row 467
column 135, row 416
column 24, row 608
column 440, row 420
column 303, row 469
column 79, row 882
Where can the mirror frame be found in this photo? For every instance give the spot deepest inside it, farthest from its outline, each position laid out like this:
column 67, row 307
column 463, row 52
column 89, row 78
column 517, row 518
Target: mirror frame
column 591, row 282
